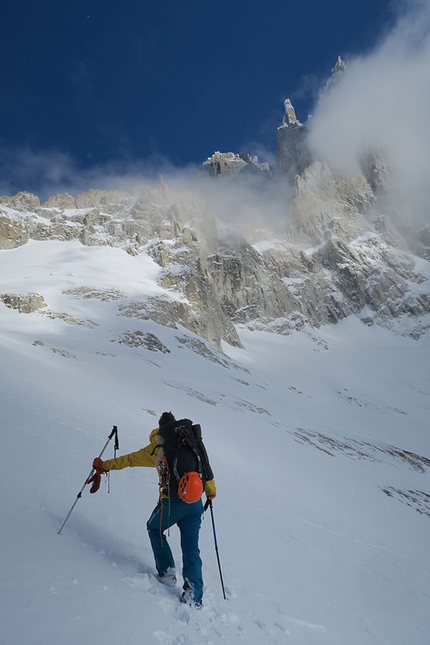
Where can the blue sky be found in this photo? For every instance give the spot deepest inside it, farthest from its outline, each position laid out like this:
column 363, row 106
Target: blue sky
column 103, row 82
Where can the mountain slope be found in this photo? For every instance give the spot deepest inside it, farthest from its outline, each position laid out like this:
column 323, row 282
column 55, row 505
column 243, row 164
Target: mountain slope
column 319, row 443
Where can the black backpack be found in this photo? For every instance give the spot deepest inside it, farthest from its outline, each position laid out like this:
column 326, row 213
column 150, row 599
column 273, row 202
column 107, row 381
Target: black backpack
column 183, row 452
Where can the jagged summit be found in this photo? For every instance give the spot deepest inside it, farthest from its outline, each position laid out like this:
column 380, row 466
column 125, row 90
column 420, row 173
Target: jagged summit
column 337, row 72
column 290, row 118
column 293, row 154
column 228, row 163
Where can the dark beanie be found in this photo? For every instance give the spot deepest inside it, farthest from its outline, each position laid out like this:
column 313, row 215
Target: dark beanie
column 166, row 417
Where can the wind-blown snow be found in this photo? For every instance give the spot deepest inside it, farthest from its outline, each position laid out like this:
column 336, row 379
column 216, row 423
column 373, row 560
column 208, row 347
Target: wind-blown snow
column 319, row 443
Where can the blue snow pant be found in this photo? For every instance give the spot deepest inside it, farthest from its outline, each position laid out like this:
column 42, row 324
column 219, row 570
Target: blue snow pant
column 188, row 518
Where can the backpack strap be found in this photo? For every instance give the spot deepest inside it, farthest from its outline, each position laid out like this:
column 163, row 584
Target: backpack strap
column 207, row 470
column 184, row 440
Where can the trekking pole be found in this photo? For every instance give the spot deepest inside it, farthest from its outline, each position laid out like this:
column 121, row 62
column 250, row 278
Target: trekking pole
column 209, row 503
column 79, row 495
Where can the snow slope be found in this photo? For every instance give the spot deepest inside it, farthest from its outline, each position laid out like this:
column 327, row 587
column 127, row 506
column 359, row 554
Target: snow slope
column 319, row 443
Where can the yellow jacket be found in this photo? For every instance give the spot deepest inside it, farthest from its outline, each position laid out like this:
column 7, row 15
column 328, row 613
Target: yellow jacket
column 147, row 457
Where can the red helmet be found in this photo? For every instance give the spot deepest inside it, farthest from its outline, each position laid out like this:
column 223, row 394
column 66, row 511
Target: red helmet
column 190, row 487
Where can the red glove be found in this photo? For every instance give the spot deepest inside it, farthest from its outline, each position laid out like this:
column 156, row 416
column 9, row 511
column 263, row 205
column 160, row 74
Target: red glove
column 95, row 480
column 98, row 465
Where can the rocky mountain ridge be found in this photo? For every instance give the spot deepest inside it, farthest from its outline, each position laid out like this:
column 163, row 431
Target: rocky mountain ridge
column 227, row 163
column 340, row 251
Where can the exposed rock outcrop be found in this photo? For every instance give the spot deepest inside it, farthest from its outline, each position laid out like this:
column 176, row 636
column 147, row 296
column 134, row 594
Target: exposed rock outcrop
column 62, row 202
column 293, row 154
column 22, row 202
column 247, row 286
column 13, row 232
column 328, row 205
column 24, row 303
column 228, row 163
column 337, row 72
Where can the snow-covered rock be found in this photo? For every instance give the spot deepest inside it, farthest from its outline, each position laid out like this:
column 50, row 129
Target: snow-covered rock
column 228, row 163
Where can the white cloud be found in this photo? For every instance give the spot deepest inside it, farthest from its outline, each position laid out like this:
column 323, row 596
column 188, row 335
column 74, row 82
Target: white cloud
column 49, row 172
column 382, row 102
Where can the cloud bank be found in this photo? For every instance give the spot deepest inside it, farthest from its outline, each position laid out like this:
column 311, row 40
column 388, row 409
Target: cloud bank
column 50, row 172
column 382, row 104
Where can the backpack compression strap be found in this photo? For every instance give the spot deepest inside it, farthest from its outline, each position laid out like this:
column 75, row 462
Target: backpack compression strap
column 184, row 440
